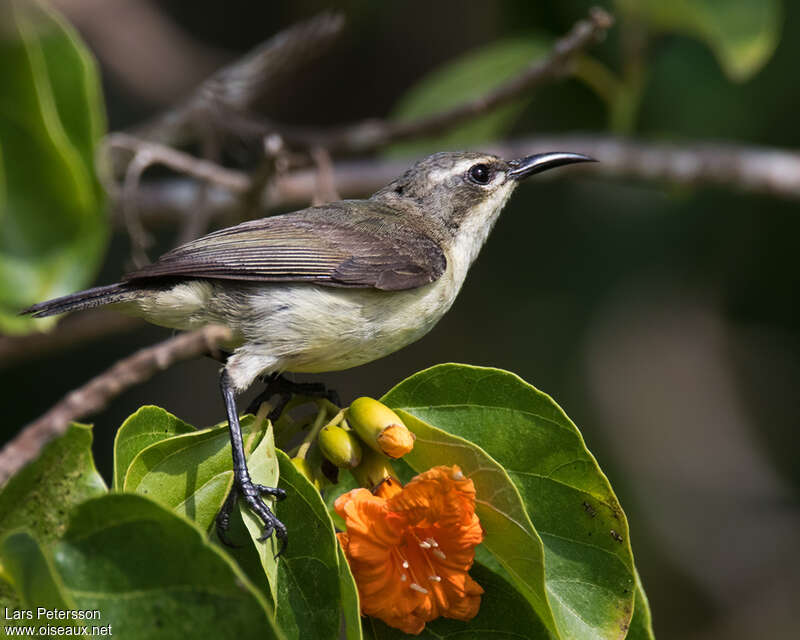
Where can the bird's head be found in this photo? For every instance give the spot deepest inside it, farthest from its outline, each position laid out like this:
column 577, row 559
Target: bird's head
column 457, row 186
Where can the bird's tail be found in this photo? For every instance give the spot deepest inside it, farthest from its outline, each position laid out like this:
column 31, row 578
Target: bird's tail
column 96, row 297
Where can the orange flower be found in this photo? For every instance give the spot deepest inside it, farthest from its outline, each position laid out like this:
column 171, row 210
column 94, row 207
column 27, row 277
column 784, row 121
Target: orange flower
column 410, row 548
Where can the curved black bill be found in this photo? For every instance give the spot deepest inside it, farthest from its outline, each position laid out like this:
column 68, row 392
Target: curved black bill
column 539, row 162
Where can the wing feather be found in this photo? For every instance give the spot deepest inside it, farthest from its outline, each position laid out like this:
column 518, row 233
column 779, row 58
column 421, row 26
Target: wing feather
column 341, row 244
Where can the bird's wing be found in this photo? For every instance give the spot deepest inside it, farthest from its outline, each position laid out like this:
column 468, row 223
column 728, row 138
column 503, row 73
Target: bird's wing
column 313, row 245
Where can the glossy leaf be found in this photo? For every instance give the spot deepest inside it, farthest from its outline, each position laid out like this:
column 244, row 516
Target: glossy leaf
column 462, row 79
column 145, row 427
column 742, row 33
column 589, row 578
column 153, row 574
column 351, row 608
column 39, row 497
column 504, row 615
column 264, row 469
column 53, row 227
column 190, row 473
column 308, row 590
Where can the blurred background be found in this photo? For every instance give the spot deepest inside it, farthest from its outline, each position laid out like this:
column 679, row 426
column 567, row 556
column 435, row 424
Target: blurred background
column 661, row 317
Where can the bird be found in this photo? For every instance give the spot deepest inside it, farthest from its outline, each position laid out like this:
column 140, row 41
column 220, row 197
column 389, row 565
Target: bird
column 324, row 288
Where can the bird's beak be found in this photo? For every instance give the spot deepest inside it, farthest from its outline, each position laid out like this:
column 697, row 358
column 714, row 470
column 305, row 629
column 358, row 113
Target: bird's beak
column 539, row 162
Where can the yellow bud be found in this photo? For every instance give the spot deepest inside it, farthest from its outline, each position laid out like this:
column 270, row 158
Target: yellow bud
column 341, row 447
column 374, row 470
column 380, row 427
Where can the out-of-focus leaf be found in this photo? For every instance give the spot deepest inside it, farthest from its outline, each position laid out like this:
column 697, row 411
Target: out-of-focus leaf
column 40, row 496
column 145, row 427
column 504, row 615
column 589, row 577
column 191, row 473
column 742, row 33
column 53, row 227
column 153, row 575
column 460, row 80
column 32, row 573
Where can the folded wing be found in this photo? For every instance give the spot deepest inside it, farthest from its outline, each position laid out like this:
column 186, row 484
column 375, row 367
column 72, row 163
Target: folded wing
column 348, row 244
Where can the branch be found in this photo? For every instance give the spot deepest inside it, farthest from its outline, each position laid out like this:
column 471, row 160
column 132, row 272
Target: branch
column 767, row 171
column 373, row 134
column 238, row 86
column 95, row 394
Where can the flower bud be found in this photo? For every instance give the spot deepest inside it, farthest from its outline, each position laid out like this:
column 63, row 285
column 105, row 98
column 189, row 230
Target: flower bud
column 341, row 447
column 374, row 470
column 380, row 427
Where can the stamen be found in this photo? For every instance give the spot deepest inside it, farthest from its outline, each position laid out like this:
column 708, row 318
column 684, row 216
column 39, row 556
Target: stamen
column 416, row 587
column 425, row 545
column 403, row 578
column 432, row 542
column 435, row 578
column 405, row 564
column 439, row 554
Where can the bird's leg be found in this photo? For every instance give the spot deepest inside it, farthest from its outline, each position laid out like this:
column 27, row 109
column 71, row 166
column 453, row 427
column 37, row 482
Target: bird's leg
column 285, row 388
column 242, row 484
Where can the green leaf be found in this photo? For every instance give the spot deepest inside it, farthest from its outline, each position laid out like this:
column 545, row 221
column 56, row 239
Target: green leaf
column 346, row 483
column 308, row 589
column 40, row 495
column 742, row 34
column 463, row 79
column 190, row 473
column 499, row 428
column 642, row 623
column 145, row 427
column 32, row 573
column 264, row 469
column 153, row 575
column 351, row 608
column 504, row 615
column 53, row 225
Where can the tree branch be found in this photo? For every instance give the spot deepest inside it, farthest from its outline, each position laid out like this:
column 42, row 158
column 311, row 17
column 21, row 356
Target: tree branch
column 767, row 171
column 95, row 394
column 372, row 134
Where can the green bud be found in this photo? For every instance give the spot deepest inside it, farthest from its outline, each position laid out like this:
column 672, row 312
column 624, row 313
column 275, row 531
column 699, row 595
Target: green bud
column 380, row 427
column 374, row 469
column 341, row 447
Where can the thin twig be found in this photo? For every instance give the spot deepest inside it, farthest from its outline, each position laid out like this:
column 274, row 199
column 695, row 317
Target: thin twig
column 325, row 189
column 238, row 86
column 140, row 239
column 182, row 162
column 372, row 134
column 95, row 394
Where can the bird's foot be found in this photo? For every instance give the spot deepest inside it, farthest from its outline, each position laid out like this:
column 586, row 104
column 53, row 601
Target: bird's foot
column 285, row 389
column 253, row 495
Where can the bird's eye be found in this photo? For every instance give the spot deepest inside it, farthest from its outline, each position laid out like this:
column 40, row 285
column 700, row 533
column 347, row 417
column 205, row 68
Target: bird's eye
column 480, row 173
